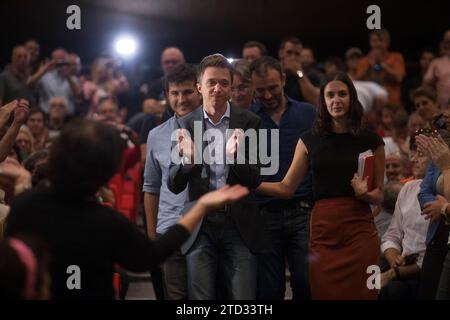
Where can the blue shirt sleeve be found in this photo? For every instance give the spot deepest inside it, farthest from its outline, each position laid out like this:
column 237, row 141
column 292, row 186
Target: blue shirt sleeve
column 428, row 186
column 152, row 172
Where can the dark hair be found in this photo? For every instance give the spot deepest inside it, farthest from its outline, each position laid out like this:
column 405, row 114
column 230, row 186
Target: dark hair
column 242, row 68
column 425, row 91
column 31, row 39
column 291, row 39
column 37, row 165
column 400, row 119
column 34, row 110
column 323, row 122
column 84, row 157
column 261, row 65
column 394, row 108
column 112, row 100
column 215, row 60
column 181, row 73
column 337, row 61
column 259, row 45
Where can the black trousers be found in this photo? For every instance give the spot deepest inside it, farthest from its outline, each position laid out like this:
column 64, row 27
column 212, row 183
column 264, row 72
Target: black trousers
column 432, row 263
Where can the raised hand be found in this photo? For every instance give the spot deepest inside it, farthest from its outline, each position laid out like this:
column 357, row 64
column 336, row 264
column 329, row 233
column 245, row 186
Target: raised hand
column 186, row 146
column 233, row 143
column 220, row 197
column 436, row 149
column 6, row 110
column 47, row 65
column 21, row 112
column 291, row 64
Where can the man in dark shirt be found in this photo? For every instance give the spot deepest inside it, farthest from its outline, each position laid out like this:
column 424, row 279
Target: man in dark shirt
column 13, row 80
column 300, row 84
column 286, row 221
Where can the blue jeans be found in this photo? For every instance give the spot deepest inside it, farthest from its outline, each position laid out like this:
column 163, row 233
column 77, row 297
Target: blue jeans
column 219, row 259
column 289, row 237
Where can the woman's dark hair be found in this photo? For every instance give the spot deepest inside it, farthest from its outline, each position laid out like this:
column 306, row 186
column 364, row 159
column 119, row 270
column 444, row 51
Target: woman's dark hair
column 322, row 125
column 84, row 157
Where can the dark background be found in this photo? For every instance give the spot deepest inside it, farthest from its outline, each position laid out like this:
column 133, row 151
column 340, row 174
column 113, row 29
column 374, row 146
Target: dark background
column 201, row 27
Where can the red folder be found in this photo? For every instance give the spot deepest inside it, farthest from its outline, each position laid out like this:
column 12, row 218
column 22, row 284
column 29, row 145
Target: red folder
column 366, row 167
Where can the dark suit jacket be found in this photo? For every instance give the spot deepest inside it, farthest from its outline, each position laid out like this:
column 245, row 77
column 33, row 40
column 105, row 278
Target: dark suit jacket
column 244, row 212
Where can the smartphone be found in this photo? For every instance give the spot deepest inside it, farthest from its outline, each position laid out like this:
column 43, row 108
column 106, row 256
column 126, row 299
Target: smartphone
column 440, row 122
column 410, row 259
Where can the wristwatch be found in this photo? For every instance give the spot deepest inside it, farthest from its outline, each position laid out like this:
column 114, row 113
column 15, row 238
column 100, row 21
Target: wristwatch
column 300, row 74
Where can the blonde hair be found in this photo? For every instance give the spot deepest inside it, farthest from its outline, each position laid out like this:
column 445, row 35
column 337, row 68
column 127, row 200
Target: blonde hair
column 24, row 129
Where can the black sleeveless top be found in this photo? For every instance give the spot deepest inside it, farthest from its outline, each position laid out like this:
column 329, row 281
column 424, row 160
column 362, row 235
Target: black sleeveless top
column 334, row 160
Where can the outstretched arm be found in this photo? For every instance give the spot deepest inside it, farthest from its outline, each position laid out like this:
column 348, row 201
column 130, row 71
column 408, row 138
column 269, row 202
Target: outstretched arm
column 286, row 188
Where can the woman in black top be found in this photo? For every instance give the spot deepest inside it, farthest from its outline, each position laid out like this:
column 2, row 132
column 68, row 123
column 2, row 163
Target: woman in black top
column 343, row 241
column 81, row 232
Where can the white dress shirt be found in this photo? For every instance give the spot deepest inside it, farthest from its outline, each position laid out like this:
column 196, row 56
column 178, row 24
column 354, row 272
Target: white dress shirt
column 408, row 229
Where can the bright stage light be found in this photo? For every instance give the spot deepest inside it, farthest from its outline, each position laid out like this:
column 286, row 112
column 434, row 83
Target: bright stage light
column 230, row 60
column 126, row 46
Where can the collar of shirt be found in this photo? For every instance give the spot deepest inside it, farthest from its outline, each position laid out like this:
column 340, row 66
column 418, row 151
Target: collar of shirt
column 226, row 115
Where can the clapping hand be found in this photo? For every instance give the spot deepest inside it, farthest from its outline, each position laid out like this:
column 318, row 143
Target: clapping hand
column 21, row 112
column 436, row 149
column 233, row 143
column 20, row 109
column 185, row 145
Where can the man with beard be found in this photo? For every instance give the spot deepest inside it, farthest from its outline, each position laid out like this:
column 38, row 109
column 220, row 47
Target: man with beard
column 286, row 221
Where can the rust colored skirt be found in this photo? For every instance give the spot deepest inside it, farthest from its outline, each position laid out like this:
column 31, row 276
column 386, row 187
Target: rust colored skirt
column 344, row 242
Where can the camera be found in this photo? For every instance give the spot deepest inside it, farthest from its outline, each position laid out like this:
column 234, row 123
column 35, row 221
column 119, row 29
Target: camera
column 62, row 63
